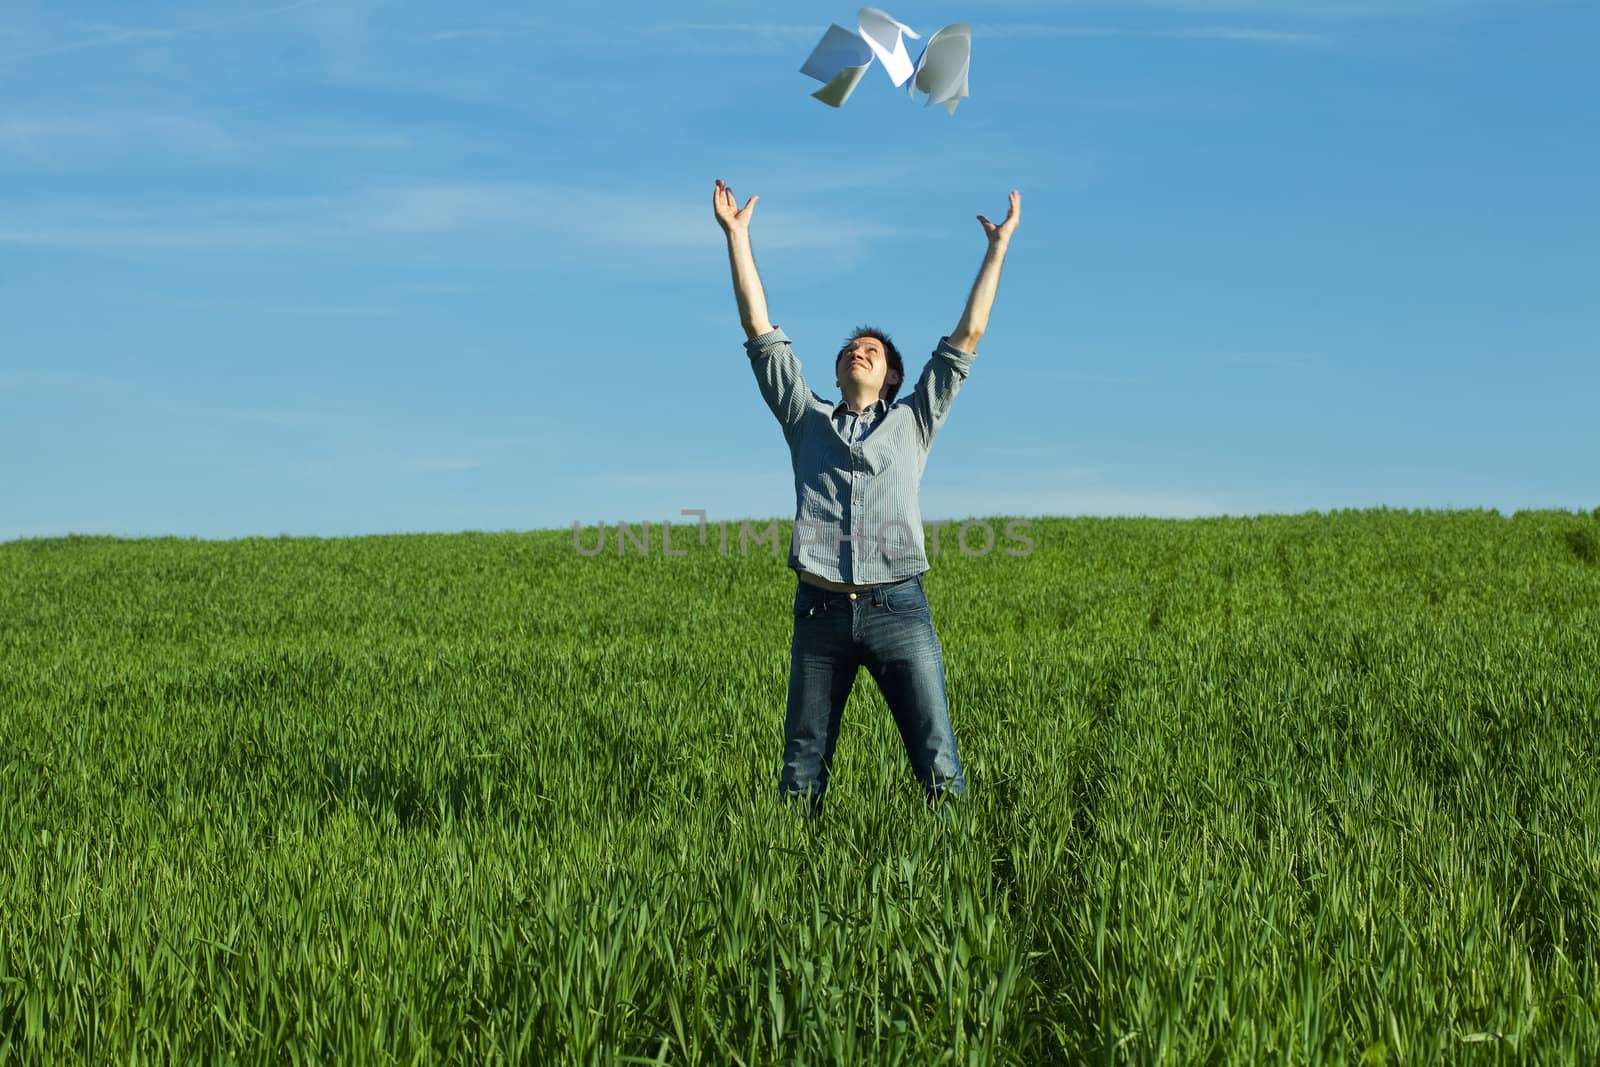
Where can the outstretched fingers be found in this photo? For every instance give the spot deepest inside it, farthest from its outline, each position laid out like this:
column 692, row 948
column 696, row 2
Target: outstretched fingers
column 1009, row 223
column 729, row 214
column 725, row 206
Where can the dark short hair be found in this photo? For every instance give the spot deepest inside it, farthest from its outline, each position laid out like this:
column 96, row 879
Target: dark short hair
column 890, row 352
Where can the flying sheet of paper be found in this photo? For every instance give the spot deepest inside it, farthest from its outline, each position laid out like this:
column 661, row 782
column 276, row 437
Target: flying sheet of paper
column 885, row 36
column 842, row 57
column 942, row 70
column 839, row 61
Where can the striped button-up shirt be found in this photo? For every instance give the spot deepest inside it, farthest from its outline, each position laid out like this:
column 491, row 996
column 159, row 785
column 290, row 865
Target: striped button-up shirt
column 857, row 475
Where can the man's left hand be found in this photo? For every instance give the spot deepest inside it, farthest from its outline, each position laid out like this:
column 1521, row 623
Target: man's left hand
column 1001, row 234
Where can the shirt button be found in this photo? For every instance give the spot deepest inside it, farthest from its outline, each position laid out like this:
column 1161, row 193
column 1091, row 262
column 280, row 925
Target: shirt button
column 852, row 596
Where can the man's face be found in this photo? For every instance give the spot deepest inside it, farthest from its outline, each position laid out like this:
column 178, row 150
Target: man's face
column 864, row 361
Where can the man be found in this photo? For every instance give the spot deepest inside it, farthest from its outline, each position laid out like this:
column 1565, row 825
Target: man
column 857, row 547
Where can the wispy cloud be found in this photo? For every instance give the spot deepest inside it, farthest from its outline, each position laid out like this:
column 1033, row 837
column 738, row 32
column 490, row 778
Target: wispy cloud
column 91, row 36
column 752, row 29
column 353, row 439
column 1144, row 368
column 468, row 33
column 763, row 35
column 1243, row 34
column 731, row 39
column 1100, row 379
column 690, row 480
column 1049, row 454
column 422, row 212
column 41, row 136
column 449, row 466
column 1275, row 361
column 446, row 455
column 72, row 383
column 1320, row 9
column 275, row 418
column 1247, row 34
column 225, row 307
column 56, row 138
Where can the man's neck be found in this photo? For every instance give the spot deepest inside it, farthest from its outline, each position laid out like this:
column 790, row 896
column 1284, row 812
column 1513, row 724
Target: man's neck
column 858, row 404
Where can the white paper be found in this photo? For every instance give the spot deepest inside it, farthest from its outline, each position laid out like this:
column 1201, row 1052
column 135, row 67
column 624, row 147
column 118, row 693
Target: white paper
column 942, row 70
column 839, row 61
column 842, row 57
column 883, row 34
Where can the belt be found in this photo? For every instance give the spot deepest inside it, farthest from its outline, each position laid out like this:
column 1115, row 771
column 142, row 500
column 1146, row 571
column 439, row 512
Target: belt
column 852, row 590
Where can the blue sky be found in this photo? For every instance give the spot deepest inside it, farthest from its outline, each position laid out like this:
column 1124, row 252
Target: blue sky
column 339, row 267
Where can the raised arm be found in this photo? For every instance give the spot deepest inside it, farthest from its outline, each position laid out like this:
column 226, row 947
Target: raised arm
column 930, row 399
column 772, row 357
column 735, row 223
column 975, row 319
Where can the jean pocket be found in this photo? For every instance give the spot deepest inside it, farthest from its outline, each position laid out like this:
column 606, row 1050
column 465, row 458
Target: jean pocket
column 806, row 601
column 907, row 598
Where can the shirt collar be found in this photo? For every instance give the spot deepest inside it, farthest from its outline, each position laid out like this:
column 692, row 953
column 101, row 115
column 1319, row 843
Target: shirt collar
column 877, row 406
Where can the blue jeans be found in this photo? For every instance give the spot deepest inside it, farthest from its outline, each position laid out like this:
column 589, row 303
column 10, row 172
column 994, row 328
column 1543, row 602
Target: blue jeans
column 889, row 630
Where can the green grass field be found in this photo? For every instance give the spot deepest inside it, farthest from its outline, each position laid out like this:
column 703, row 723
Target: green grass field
column 1298, row 789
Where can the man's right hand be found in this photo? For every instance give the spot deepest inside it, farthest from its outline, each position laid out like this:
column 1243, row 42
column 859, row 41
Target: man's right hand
column 732, row 218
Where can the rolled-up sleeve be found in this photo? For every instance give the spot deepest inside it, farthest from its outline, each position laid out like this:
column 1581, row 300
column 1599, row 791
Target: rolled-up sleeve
column 936, row 389
column 778, row 373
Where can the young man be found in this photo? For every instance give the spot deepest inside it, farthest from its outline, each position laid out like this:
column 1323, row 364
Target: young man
column 858, row 543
